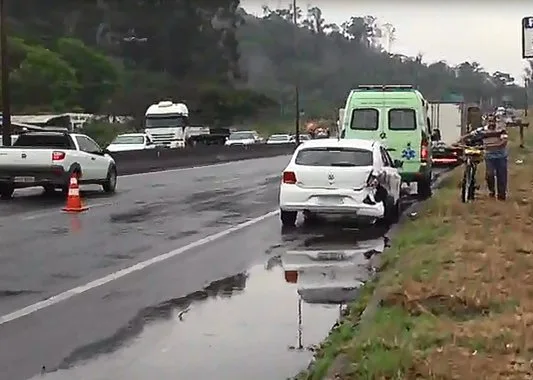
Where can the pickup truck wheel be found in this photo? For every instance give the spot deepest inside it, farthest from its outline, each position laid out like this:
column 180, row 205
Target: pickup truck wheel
column 110, row 183
column 6, row 191
column 49, row 189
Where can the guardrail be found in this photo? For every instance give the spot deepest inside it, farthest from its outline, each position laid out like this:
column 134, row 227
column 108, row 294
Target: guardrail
column 149, row 160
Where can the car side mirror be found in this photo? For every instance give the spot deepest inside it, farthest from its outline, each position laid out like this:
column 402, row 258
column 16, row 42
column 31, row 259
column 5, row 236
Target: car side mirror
column 105, row 151
column 398, row 164
column 149, row 142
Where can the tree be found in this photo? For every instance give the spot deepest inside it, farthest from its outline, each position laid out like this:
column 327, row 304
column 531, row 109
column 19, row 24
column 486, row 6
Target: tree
column 334, row 59
column 42, row 78
column 97, row 76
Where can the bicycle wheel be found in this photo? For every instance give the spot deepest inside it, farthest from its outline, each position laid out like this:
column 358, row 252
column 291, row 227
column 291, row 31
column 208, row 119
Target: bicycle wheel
column 472, row 187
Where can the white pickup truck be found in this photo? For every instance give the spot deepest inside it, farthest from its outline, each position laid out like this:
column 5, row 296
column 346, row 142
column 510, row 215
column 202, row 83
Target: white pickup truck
column 48, row 159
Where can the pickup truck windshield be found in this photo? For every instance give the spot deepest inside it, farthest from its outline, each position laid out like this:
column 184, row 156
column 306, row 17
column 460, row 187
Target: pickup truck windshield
column 44, row 141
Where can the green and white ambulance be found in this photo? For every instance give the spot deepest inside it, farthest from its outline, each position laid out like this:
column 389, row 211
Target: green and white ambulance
column 397, row 116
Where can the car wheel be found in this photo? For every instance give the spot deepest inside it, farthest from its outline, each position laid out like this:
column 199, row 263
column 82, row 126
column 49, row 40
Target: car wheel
column 392, row 210
column 6, row 191
column 310, row 218
column 49, row 189
column 288, row 218
column 110, row 183
column 424, row 187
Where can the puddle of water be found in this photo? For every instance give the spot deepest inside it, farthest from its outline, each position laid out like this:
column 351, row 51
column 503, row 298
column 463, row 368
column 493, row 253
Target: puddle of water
column 220, row 335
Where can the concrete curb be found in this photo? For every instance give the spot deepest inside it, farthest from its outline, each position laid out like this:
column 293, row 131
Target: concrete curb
column 341, row 363
column 162, row 159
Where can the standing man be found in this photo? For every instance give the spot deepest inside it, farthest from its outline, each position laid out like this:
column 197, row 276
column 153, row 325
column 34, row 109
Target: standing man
column 494, row 139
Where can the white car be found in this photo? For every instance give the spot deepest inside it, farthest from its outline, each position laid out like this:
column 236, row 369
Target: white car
column 243, row 138
column 349, row 176
column 131, row 141
column 280, row 139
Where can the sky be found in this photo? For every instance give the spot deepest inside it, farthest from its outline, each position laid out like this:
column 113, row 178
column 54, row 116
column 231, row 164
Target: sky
column 488, row 32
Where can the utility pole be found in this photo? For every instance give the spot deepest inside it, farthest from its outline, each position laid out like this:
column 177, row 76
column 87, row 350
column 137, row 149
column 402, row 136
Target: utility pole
column 526, row 95
column 6, row 106
column 296, row 77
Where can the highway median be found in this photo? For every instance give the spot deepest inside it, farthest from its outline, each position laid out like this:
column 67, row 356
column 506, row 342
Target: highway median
column 452, row 298
column 150, row 160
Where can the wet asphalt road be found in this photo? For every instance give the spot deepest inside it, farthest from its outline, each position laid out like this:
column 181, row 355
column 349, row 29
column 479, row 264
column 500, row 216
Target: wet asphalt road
column 169, row 320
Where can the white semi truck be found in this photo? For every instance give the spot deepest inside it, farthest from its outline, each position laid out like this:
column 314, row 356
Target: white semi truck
column 167, row 124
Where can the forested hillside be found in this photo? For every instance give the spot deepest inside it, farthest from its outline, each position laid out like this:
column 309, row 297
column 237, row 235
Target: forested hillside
column 117, row 57
column 331, row 59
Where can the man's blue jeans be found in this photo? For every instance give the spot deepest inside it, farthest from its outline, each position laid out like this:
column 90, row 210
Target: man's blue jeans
column 496, row 174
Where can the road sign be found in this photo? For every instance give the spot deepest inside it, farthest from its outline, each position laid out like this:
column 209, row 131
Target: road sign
column 527, row 37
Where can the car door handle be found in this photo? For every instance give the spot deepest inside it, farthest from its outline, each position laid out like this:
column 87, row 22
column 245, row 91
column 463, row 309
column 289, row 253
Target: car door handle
column 93, row 158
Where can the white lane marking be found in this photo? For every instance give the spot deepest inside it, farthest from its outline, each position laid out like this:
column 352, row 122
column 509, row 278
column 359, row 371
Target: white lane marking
column 199, row 167
column 126, row 271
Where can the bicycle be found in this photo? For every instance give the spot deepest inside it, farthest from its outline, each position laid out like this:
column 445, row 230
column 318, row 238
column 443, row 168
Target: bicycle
column 472, row 156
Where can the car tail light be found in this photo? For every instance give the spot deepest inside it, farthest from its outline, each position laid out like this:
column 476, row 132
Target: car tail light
column 289, row 178
column 58, row 156
column 424, row 152
column 291, row 276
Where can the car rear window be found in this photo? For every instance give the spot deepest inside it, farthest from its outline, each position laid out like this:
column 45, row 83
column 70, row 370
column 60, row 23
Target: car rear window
column 402, row 119
column 365, row 119
column 44, row 141
column 334, row 157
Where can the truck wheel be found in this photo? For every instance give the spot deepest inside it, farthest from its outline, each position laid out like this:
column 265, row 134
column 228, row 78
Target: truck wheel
column 6, row 191
column 424, row 188
column 288, row 218
column 110, row 183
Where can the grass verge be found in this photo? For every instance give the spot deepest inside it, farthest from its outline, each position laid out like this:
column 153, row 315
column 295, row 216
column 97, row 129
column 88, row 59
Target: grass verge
column 456, row 291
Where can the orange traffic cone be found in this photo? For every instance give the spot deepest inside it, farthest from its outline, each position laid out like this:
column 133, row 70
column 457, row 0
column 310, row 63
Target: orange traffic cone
column 74, row 203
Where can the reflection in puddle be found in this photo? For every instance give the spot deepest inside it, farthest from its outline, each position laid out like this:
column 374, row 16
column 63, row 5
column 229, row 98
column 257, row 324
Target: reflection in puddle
column 251, row 334
column 331, row 276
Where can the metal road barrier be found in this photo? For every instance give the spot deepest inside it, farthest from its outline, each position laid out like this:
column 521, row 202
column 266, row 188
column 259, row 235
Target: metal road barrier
column 143, row 161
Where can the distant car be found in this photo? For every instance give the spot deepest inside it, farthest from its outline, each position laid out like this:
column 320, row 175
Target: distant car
column 351, row 177
column 243, row 138
column 280, row 139
column 131, row 141
column 303, row 137
column 444, row 154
